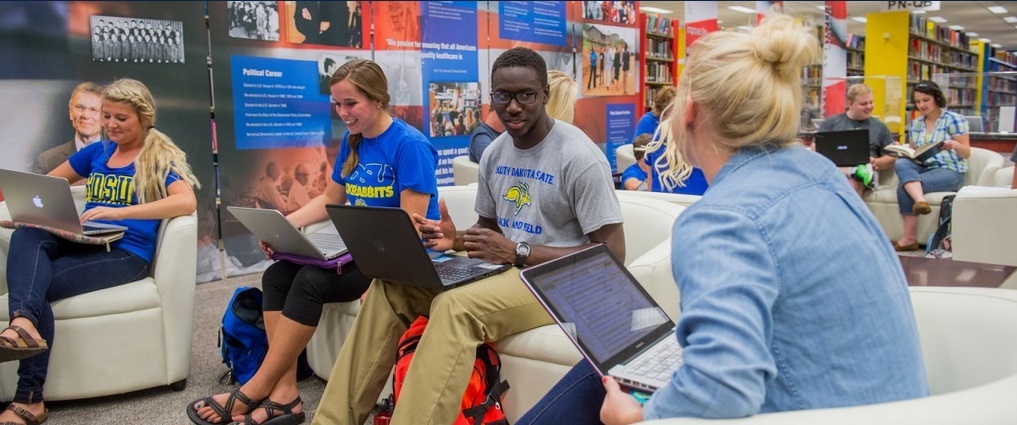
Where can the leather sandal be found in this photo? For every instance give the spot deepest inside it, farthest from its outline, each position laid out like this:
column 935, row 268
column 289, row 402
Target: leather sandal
column 225, row 411
column 278, row 414
column 26, row 416
column 909, row 247
column 921, row 208
column 24, row 346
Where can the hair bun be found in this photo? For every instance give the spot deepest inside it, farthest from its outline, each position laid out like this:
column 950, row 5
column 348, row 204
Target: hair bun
column 784, row 44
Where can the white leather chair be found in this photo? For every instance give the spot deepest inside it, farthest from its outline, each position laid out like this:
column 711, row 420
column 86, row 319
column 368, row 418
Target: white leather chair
column 624, row 157
column 1004, row 177
column 984, row 225
column 464, row 171
column 131, row 337
column 969, row 341
column 982, row 167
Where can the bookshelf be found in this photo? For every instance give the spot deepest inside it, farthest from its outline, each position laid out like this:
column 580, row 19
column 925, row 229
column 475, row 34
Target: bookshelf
column 914, row 48
column 999, row 86
column 660, row 54
column 855, row 55
column 812, row 82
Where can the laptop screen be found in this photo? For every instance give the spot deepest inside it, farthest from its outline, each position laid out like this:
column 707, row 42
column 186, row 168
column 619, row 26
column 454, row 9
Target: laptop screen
column 603, row 308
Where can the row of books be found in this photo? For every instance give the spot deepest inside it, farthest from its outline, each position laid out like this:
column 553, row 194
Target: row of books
column 855, row 59
column 1008, row 57
column 812, row 71
column 925, row 71
column 855, row 41
column 1001, row 99
column 660, row 49
column 658, row 72
column 1002, row 84
column 933, row 52
column 923, row 26
column 658, row 24
column 956, row 96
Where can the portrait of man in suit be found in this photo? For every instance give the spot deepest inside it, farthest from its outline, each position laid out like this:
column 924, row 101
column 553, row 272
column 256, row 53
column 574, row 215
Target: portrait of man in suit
column 84, row 107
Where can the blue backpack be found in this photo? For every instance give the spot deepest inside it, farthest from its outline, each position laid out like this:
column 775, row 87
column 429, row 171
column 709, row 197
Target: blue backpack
column 242, row 337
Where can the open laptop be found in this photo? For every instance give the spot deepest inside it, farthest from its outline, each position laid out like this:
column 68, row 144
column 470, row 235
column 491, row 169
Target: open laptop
column 274, row 229
column 844, row 147
column 614, row 323
column 974, row 124
column 385, row 244
column 46, row 200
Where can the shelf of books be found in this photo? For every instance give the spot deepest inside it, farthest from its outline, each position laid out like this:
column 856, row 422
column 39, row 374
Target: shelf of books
column 812, row 82
column 855, row 55
column 999, row 85
column 916, row 49
column 660, row 54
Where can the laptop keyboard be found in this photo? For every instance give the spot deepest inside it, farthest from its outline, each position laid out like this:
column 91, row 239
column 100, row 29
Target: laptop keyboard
column 327, row 242
column 452, row 273
column 660, row 361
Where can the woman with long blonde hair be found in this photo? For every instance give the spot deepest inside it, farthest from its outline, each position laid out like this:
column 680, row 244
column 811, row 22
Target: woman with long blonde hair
column 135, row 178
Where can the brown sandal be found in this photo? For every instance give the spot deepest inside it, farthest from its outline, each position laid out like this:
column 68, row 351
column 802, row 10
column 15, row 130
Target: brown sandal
column 24, row 346
column 225, row 411
column 26, row 416
column 278, row 414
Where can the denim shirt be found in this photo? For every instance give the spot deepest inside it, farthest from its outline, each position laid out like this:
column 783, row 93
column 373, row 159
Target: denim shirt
column 792, row 297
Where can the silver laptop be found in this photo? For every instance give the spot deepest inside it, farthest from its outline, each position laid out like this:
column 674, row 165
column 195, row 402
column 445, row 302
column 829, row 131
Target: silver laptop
column 385, row 244
column 274, row 229
column 45, row 200
column 608, row 315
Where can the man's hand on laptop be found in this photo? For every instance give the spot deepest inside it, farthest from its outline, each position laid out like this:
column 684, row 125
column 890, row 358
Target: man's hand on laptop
column 438, row 235
column 103, row 213
column 488, row 245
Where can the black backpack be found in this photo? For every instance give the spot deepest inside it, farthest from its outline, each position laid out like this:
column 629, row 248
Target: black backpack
column 940, row 240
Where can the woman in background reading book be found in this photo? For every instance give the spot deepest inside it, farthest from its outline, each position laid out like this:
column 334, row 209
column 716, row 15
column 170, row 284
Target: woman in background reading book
column 382, row 162
column 943, row 172
column 153, row 182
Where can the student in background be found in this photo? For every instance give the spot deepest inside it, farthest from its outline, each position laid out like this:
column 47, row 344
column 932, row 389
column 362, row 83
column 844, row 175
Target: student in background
column 773, row 317
column 155, row 183
column 944, row 172
column 859, row 115
column 651, row 119
column 83, row 108
column 575, row 209
column 635, row 177
column 382, row 162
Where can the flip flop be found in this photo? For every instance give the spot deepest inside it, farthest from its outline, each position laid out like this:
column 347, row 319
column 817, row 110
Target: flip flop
column 224, row 411
column 26, row 416
column 24, row 346
column 278, row 414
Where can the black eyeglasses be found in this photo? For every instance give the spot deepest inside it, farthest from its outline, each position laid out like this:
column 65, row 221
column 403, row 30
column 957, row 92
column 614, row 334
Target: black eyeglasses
column 524, row 98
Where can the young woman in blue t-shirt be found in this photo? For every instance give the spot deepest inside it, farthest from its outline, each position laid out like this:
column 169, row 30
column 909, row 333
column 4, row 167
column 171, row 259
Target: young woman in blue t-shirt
column 153, row 182
column 382, row 162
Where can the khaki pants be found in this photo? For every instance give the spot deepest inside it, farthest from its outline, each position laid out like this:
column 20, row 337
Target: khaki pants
column 460, row 320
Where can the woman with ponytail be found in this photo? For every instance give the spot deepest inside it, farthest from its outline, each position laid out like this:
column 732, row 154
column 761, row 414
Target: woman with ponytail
column 384, row 162
column 135, row 178
column 791, row 297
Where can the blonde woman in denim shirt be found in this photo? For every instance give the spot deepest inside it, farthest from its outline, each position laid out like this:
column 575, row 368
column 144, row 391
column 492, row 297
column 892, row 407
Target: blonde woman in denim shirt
column 792, row 298
column 944, row 172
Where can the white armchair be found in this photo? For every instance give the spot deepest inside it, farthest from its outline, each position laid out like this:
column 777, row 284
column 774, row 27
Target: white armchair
column 131, row 337
column 464, row 171
column 969, row 341
column 984, row 228
column 624, row 157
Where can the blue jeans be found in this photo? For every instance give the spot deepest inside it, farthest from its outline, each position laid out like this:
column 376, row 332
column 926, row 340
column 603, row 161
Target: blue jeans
column 574, row 400
column 42, row 268
column 932, row 179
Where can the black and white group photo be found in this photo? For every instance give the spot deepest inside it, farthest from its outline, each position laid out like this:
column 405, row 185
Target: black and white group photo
column 133, row 40
column 256, row 20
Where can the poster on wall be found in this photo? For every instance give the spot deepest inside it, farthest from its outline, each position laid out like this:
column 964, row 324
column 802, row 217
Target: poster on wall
column 277, row 134
column 609, row 58
column 52, row 47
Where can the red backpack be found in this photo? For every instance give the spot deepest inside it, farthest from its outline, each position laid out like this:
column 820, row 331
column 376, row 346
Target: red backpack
column 482, row 400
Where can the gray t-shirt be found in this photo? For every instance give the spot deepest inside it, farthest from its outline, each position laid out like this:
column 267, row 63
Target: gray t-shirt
column 879, row 135
column 553, row 194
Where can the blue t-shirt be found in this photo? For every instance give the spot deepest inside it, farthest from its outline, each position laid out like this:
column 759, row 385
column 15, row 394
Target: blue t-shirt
column 399, row 158
column 114, row 187
column 633, row 172
column 695, row 185
column 647, row 125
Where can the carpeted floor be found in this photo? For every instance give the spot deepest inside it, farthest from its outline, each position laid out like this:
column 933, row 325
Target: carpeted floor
column 163, row 405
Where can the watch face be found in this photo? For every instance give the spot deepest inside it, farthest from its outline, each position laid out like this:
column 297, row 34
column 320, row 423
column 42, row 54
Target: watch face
column 523, row 249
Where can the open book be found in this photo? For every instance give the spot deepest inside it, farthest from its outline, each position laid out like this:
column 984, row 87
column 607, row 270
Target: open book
column 919, row 155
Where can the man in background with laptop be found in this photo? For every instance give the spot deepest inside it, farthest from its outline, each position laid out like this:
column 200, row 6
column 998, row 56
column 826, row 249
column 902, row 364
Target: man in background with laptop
column 859, row 115
column 84, row 112
column 545, row 190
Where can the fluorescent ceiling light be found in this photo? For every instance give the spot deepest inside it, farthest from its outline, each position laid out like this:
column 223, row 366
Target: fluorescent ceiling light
column 997, row 9
column 937, row 19
column 823, row 8
column 972, row 34
column 1010, row 19
column 984, row 40
column 860, row 19
column 956, row 27
column 920, row 12
column 742, row 9
column 651, row 9
column 997, row 45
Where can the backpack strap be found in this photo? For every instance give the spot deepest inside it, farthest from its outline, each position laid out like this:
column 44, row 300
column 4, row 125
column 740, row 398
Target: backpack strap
column 476, row 413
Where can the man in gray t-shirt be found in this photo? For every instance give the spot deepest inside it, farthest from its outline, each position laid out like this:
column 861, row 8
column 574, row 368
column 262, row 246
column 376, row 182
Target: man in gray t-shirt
column 859, row 115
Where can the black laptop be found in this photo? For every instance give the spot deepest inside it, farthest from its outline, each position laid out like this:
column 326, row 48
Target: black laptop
column 384, row 243
column 844, row 147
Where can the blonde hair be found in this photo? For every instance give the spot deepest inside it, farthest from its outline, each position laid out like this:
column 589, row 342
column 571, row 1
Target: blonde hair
column 368, row 78
column 562, row 101
column 159, row 155
column 857, row 90
column 747, row 85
